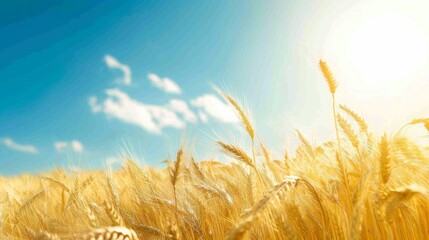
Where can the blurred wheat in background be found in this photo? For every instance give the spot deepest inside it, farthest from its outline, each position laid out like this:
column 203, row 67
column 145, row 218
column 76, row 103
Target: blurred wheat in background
column 358, row 186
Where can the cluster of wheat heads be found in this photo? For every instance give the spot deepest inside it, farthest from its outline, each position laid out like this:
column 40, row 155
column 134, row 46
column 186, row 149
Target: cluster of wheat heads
column 358, row 186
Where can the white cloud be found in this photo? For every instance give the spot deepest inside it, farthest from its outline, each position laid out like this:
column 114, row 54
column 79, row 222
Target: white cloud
column 77, row 146
column 152, row 118
column 112, row 62
column 214, row 107
column 74, row 145
column 8, row 142
column 165, row 84
column 92, row 101
column 181, row 107
column 112, row 160
column 203, row 117
column 60, row 145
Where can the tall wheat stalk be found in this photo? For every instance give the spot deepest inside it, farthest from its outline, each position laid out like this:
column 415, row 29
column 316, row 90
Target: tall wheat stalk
column 247, row 124
column 332, row 88
column 174, row 178
column 332, row 83
column 385, row 162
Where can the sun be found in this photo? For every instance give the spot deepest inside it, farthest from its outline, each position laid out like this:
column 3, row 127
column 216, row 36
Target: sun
column 381, row 46
column 388, row 51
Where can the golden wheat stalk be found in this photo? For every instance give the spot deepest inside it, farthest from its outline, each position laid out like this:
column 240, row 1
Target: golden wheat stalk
column 62, row 185
column 31, row 200
column 266, row 153
column 385, row 161
column 328, row 76
column 175, row 172
column 109, row 233
column 400, row 195
column 294, row 215
column 241, row 228
column 214, row 191
column 419, row 121
column 40, row 235
column 73, row 196
column 424, row 121
column 236, row 153
column 174, row 177
column 358, row 119
column 286, row 162
column 113, row 214
column 86, row 183
column 359, row 199
column 343, row 170
column 173, row 232
column 113, row 192
column 241, row 113
column 357, row 219
column 332, row 83
column 247, row 124
column 347, row 129
column 91, row 216
column 197, row 169
column 150, row 230
column 306, row 144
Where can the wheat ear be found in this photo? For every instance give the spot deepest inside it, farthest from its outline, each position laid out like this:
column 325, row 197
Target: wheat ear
column 384, row 159
column 247, row 124
column 286, row 162
column 358, row 119
column 242, row 227
column 109, row 233
column 236, row 153
column 332, row 88
column 174, row 177
column 306, row 144
column 113, row 214
column 424, row 121
column 328, row 76
column 347, row 129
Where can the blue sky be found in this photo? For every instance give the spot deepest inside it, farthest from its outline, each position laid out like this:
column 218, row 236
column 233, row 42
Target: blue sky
column 83, row 81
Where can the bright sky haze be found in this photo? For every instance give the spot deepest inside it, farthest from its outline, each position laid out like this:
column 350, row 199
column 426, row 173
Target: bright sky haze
column 85, row 82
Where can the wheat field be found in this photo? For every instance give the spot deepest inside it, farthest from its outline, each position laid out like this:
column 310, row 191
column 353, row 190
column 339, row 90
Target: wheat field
column 357, row 186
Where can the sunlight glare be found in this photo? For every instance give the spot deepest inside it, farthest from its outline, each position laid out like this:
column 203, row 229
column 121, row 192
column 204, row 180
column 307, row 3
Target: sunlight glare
column 387, row 51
